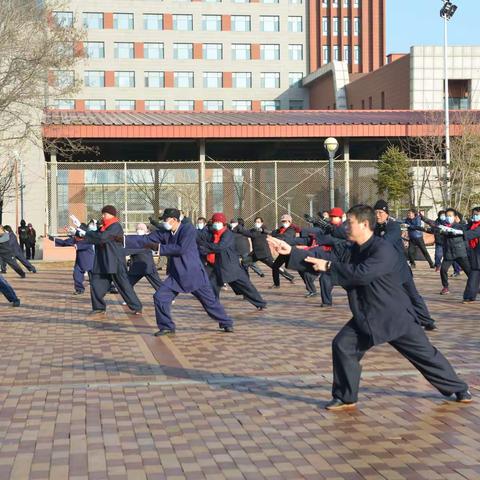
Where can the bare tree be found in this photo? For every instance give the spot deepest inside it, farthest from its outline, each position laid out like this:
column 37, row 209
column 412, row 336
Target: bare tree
column 8, row 179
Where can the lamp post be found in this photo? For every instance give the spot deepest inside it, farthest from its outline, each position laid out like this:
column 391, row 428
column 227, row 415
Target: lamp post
column 19, row 161
column 447, row 12
column 331, row 145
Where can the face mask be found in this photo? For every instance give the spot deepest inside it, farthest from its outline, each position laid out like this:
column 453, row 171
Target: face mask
column 233, row 225
column 258, row 226
column 92, row 228
column 166, row 226
column 285, row 224
column 200, row 226
column 181, row 217
column 217, row 226
column 476, row 218
column 141, row 232
column 442, row 218
column 450, row 219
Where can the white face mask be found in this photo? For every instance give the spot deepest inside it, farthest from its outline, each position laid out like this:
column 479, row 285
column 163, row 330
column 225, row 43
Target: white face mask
column 92, row 228
column 233, row 225
column 181, row 217
column 258, row 225
column 450, row 219
column 217, row 226
column 166, row 226
column 285, row 224
column 141, row 232
column 200, row 226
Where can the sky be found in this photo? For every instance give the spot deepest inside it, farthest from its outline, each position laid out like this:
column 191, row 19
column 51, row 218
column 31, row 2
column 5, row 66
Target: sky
column 418, row 22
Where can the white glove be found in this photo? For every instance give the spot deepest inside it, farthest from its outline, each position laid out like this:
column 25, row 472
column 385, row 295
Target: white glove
column 80, row 232
column 456, row 231
column 75, row 220
column 71, row 230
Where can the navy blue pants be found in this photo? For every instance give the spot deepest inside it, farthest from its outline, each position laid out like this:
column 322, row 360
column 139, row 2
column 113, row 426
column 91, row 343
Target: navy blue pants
column 418, row 302
column 438, row 254
column 7, row 290
column 164, row 297
column 309, row 280
column 326, row 287
column 152, row 278
column 473, row 284
column 78, row 278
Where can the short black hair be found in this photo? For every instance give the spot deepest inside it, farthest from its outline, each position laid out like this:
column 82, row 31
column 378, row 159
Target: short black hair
column 450, row 209
column 474, row 209
column 202, row 218
column 241, row 221
column 412, row 210
column 8, row 228
column 258, row 218
column 441, row 212
column 363, row 213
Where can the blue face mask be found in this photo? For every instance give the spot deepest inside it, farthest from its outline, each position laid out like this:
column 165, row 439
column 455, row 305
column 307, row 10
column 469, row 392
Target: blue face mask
column 442, row 218
column 92, row 228
column 476, row 218
column 166, row 226
column 450, row 219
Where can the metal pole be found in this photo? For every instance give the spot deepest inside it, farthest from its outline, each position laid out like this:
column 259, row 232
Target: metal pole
column 346, row 178
column 16, row 194
column 447, row 114
column 331, row 180
column 275, row 174
column 22, row 213
column 53, row 195
column 125, row 195
column 201, row 180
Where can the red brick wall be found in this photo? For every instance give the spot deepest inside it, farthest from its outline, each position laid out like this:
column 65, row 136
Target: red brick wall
column 322, row 95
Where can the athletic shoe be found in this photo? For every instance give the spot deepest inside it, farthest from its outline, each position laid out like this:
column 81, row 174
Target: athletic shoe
column 467, row 300
column 164, row 332
column 79, row 292
column 336, row 405
column 16, row 303
column 445, row 291
column 95, row 313
column 311, row 294
column 464, row 397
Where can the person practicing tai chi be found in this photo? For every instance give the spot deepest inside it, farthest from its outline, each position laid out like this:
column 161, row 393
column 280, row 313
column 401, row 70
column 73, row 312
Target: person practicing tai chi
column 186, row 274
column 382, row 312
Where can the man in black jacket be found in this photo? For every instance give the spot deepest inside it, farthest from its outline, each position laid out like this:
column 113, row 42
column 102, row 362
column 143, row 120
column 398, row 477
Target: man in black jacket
column 6, row 253
column 110, row 264
column 287, row 233
column 381, row 312
column 243, row 246
column 17, row 251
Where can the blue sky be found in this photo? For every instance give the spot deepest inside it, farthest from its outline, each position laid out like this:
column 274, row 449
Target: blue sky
column 418, row 22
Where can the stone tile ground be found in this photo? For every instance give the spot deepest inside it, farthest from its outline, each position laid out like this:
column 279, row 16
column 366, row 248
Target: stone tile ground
column 103, row 399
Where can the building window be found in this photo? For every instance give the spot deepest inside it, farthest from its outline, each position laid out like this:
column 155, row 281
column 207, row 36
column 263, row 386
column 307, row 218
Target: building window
column 346, row 3
column 153, row 21
column 124, row 104
column 326, row 53
column 95, row 105
column 212, row 1
column 336, row 53
column 64, row 78
column 93, row 78
column 94, row 49
column 270, row 52
column 241, row 1
column 270, row 80
column 295, row 24
column 241, row 23
column 269, row 23
column 183, row 79
column 335, row 25
column 154, row 79
column 183, row 22
column 356, row 54
column 212, row 51
column 123, row 21
column 153, row 51
column 93, row 20
column 212, row 105
column 370, row 103
column 269, row 1
column 154, row 105
column 124, row 79
column 325, row 26
column 65, row 49
column 241, row 51
column 269, row 105
column 242, row 80
column 346, row 26
column 295, row 104
column 123, row 50
column 65, row 104
column 212, row 79
column 363, row 104
column 212, row 23
column 63, row 19
column 183, row 105
column 325, row 3
column 241, row 105
column 346, row 53
column 356, row 25
column 356, row 3
column 295, row 2
column 334, row 3
column 382, row 100
column 295, row 79
column 183, row 51
column 295, row 52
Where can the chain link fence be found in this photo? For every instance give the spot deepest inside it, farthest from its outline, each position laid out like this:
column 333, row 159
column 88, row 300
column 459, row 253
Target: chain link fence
column 239, row 189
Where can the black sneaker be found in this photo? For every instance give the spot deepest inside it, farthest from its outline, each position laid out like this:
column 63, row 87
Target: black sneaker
column 430, row 327
column 33, row 270
column 97, row 313
column 337, row 405
column 79, row 292
column 164, row 332
column 464, row 397
column 226, row 329
column 16, row 303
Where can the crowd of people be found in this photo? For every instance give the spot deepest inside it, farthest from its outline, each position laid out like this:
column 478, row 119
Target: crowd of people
column 362, row 251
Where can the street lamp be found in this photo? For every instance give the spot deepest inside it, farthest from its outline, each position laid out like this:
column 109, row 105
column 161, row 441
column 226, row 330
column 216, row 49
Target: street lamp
column 447, row 12
column 331, row 145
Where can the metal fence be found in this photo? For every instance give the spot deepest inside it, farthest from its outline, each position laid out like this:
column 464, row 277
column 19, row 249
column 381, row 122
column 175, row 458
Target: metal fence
column 239, row 189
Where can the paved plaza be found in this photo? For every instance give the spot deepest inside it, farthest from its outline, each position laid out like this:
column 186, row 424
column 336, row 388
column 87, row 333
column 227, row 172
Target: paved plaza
column 84, row 398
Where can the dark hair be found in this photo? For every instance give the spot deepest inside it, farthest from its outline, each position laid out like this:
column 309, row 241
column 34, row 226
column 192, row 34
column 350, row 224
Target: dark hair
column 412, row 210
column 258, row 218
column 241, row 221
column 440, row 212
column 474, row 209
column 363, row 213
column 450, row 209
column 459, row 215
column 201, row 218
column 8, row 228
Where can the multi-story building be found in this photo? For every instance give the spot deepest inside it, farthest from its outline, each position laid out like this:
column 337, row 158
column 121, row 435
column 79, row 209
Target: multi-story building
column 214, row 55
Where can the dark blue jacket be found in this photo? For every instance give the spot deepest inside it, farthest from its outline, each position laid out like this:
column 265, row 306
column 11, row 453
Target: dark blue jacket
column 12, row 239
column 412, row 223
column 186, row 272
column 141, row 259
column 85, row 252
column 227, row 264
column 371, row 276
column 109, row 249
column 260, row 246
column 473, row 253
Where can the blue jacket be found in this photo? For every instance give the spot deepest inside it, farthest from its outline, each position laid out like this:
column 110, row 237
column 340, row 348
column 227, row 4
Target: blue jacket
column 141, row 259
column 186, row 272
column 85, row 251
column 412, row 223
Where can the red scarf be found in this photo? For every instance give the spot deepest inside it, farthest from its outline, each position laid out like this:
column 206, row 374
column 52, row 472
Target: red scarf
column 474, row 242
column 217, row 235
column 107, row 223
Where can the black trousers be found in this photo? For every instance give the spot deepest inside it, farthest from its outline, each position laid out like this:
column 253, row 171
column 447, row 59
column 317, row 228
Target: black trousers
column 100, row 284
column 241, row 286
column 446, row 264
column 350, row 345
column 30, row 251
column 309, row 281
column 277, row 267
column 326, row 288
column 420, row 243
column 13, row 264
column 152, row 278
column 473, row 285
column 21, row 258
column 418, row 302
column 269, row 262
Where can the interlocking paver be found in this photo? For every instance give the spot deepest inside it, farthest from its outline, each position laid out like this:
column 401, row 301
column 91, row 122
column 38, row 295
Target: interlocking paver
column 103, row 399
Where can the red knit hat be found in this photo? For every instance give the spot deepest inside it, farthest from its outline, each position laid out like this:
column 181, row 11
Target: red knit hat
column 219, row 217
column 110, row 209
column 336, row 212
